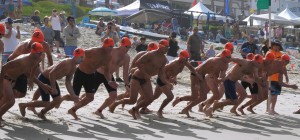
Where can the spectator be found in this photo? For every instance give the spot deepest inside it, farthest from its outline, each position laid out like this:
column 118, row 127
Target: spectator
column 135, row 42
column 142, row 46
column 56, row 26
column 249, row 47
column 71, row 33
column 11, row 9
column 173, row 47
column 48, row 32
column 265, row 47
column 100, row 26
column 110, row 31
column 261, row 35
column 35, row 19
column 19, row 9
column 64, row 21
column 10, row 39
column 219, row 36
column 194, row 46
column 210, row 52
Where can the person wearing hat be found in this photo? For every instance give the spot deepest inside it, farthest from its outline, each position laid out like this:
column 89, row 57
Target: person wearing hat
column 65, row 68
column 249, row 47
column 10, row 39
column 194, row 46
column 72, row 33
column 12, row 70
column 100, row 26
column 35, row 19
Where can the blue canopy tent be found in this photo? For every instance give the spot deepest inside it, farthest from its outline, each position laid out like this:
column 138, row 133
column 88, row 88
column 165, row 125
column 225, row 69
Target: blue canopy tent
column 103, row 11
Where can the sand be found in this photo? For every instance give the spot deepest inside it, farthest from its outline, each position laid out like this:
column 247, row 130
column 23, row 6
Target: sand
column 120, row 125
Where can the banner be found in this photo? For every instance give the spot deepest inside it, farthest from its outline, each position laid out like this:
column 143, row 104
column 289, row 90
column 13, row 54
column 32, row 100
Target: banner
column 153, row 4
column 263, row 4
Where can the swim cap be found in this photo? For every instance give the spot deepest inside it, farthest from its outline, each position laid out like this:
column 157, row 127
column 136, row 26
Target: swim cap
column 37, row 47
column 125, row 42
column 250, row 56
column 164, row 42
column 285, row 57
column 2, row 29
column 161, row 46
column 246, row 50
column 152, row 46
column 228, row 46
column 184, row 54
column 258, row 58
column 225, row 53
column 78, row 52
column 37, row 36
column 108, row 42
column 270, row 56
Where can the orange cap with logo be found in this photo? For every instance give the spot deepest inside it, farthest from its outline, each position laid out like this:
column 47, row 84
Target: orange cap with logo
column 2, row 29
column 250, row 56
column 258, row 58
column 108, row 42
column 152, row 46
column 226, row 53
column 228, row 46
column 79, row 52
column 184, row 54
column 37, row 36
column 125, row 42
column 37, row 47
column 270, row 56
column 285, row 57
column 164, row 42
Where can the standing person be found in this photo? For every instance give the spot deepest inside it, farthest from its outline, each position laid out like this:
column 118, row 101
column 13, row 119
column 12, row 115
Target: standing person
column 11, row 9
column 56, row 26
column 48, row 32
column 100, row 26
column 19, row 9
column 260, row 34
column 64, row 20
column 10, row 39
column 173, row 49
column 265, row 48
column 35, row 19
column 72, row 34
column 65, row 68
column 249, row 47
column 142, row 46
column 194, row 46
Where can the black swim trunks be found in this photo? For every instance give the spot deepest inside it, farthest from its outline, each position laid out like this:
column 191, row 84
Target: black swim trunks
column 141, row 81
column 100, row 78
column 86, row 80
column 45, row 96
column 159, row 82
column 193, row 74
column 230, row 92
column 253, row 88
column 21, row 84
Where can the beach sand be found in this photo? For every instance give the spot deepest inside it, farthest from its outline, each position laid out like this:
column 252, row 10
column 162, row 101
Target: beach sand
column 120, row 125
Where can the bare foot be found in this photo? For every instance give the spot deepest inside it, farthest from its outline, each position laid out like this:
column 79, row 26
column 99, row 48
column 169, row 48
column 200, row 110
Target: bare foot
column 145, row 111
column 132, row 113
column 241, row 110
column 273, row 113
column 234, row 112
column 176, row 101
column 73, row 113
column 41, row 115
column 32, row 109
column 200, row 107
column 112, row 107
column 99, row 114
column 209, row 112
column 22, row 109
column 215, row 105
column 160, row 114
column 186, row 112
column 250, row 109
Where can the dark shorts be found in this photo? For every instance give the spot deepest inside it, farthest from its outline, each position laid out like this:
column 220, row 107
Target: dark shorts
column 57, row 35
column 159, row 82
column 275, row 88
column 230, row 92
column 253, row 88
column 21, row 84
column 86, row 80
column 100, row 78
column 45, row 96
column 140, row 80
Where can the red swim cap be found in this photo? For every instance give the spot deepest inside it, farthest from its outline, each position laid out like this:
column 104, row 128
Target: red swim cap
column 37, row 47
column 258, row 58
column 270, row 56
column 108, row 42
column 250, row 56
column 226, row 53
column 2, row 29
column 184, row 54
column 37, row 36
column 164, row 42
column 228, row 46
column 152, row 46
column 125, row 42
column 79, row 52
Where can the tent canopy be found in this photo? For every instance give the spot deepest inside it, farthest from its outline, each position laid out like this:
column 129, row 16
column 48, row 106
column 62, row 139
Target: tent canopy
column 255, row 22
column 274, row 18
column 288, row 14
column 148, row 16
column 103, row 11
column 199, row 7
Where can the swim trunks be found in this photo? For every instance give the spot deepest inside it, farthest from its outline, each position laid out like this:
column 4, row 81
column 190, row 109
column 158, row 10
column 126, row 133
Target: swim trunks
column 44, row 95
column 275, row 88
column 253, row 88
column 86, row 80
column 230, row 92
column 100, row 78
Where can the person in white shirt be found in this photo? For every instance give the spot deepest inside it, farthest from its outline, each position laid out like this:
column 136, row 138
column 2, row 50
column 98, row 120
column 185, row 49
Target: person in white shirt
column 10, row 39
column 56, row 26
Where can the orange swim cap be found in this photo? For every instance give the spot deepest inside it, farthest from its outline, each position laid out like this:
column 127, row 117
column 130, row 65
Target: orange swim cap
column 161, row 46
column 226, row 53
column 228, row 46
column 184, row 54
column 2, row 29
column 164, row 42
column 79, row 52
column 270, row 56
column 108, row 42
column 37, row 47
column 258, row 58
column 250, row 56
column 125, row 42
column 37, row 36
column 285, row 57
column 152, row 46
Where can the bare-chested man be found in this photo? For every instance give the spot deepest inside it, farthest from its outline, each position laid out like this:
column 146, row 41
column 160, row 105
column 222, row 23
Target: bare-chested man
column 65, row 68
column 150, row 64
column 210, row 72
column 85, row 73
column 243, row 67
column 10, row 72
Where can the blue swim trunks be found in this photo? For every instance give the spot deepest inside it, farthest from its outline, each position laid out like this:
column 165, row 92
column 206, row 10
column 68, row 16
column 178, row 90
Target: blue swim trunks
column 275, row 88
column 230, row 92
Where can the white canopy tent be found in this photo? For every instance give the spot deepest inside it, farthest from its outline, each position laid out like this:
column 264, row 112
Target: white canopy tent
column 129, row 9
column 274, row 18
column 288, row 14
column 254, row 23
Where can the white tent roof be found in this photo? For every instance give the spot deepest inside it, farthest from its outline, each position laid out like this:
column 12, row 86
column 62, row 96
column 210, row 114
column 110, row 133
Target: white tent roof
column 255, row 22
column 199, row 7
column 287, row 14
column 275, row 18
column 129, row 9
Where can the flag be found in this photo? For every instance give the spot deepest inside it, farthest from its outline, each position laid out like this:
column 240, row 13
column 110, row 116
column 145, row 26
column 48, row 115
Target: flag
column 194, row 3
column 226, row 7
column 263, row 4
